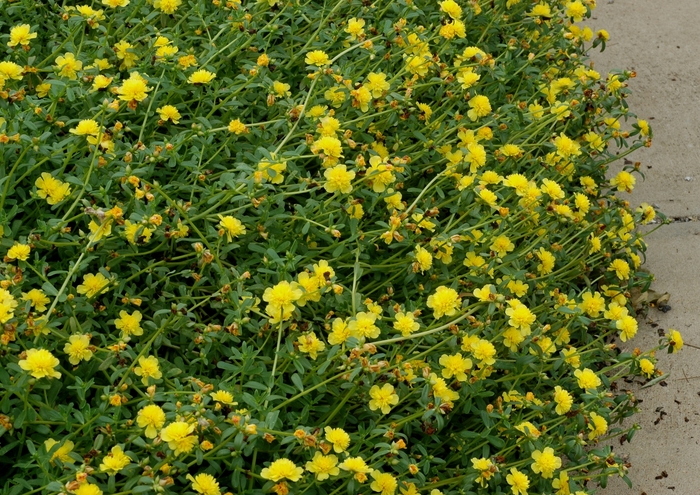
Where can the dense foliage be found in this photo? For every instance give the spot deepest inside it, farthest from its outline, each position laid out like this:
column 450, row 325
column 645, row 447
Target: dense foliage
column 313, row 247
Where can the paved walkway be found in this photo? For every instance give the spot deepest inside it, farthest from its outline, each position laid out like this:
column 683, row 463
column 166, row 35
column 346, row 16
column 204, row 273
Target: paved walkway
column 659, row 40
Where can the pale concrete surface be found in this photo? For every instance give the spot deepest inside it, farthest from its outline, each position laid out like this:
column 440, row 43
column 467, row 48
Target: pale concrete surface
column 659, row 39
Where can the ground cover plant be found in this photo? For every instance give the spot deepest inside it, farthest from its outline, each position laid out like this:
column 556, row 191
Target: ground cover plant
column 314, row 247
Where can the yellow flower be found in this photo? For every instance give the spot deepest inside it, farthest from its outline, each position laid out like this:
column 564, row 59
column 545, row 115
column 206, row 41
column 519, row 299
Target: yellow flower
column 592, row 304
column 624, row 181
column 127, row 57
column 129, row 324
column 51, row 189
column 335, row 95
column 451, row 8
column 237, row 127
column 340, row 332
column 455, row 366
column 148, row 368
column 19, row 252
column 339, row 178
column 621, row 269
column 223, row 397
column 675, row 340
column 40, row 363
column 7, row 306
column 282, row 469
column 377, row 84
column 545, row 462
column 331, row 147
column 384, row 483
column 467, row 77
column 627, row 326
column 136, row 232
column 134, row 89
column 164, row 48
column 115, row 461
column 38, row 299
column 272, row 171
column 88, row 489
column 383, row 398
column 201, row 76
column 485, row 293
column 231, row 226
column 517, row 287
column 563, row 400
column 424, row 259
column 310, row 344
column 204, row 484
column 418, row 65
column 552, row 189
column 310, row 284
column 362, row 326
column 281, row 299
column 338, row 437
column 10, row 70
column 152, row 418
column 476, row 157
column 484, row 351
column 281, row 89
column 576, row 10
column 323, row 466
column 511, row 150
column 488, row 197
column 643, row 127
column 101, row 230
column 648, row 213
column 78, row 349
column 486, row 468
column 21, row 35
column 43, row 89
column 480, row 107
column 502, row 245
column 647, row 367
column 528, row 429
column 561, row 484
column 356, row 465
column 355, row 28
column 91, row 15
column 92, row 284
column 520, row 316
column 406, row 323
column 179, row 438
column 167, row 6
column 169, row 112
column 115, row 3
column 86, row 127
column 598, row 426
column 445, row 301
column 541, row 10
column 587, row 379
column 101, row 82
column 566, row 147
column 518, row 481
column 318, row 58
column 62, row 452
column 68, row 65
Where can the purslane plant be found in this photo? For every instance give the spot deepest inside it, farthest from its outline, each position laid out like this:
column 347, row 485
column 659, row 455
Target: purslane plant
column 314, row 247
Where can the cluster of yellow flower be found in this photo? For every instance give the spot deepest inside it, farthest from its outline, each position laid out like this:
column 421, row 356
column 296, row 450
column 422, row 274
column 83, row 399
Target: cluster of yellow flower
column 266, row 246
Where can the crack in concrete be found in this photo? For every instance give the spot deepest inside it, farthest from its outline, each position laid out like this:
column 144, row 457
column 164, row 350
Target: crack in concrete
column 678, row 219
column 685, row 218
